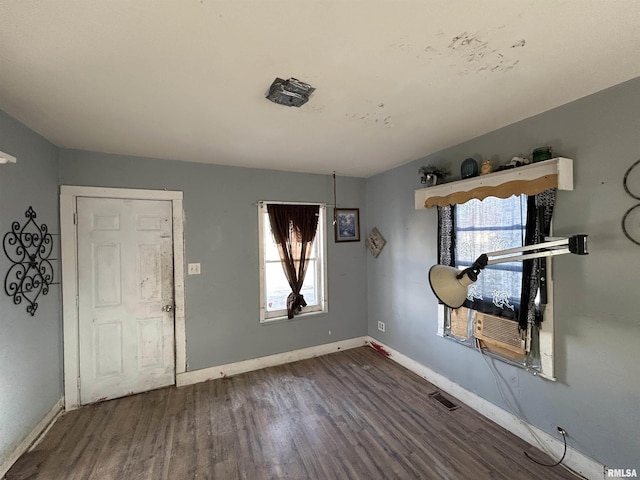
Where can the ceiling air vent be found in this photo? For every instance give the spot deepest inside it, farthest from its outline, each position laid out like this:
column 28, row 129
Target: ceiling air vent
column 292, row 92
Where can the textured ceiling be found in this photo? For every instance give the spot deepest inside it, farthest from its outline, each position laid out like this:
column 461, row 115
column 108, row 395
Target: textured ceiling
column 395, row 80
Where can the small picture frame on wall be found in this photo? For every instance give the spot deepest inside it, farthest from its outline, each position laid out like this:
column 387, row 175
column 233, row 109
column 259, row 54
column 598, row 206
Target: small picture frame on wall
column 375, row 242
column 347, row 226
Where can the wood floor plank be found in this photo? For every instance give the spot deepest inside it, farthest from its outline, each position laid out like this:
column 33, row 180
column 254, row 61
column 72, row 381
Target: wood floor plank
column 349, row 415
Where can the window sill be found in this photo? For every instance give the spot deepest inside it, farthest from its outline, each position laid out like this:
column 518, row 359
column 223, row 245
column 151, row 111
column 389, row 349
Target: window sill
column 529, row 179
column 284, row 318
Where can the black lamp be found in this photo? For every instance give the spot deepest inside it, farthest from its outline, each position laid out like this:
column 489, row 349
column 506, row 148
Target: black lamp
column 450, row 284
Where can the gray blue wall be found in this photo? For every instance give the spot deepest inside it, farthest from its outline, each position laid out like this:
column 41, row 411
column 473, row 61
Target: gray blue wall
column 30, row 347
column 597, row 394
column 221, row 232
column 597, row 325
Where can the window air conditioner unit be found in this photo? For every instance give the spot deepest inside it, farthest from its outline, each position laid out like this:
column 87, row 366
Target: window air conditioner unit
column 500, row 335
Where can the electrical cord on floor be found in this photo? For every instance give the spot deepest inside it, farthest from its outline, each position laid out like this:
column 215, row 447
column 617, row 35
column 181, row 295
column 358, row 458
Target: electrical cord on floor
column 564, row 453
column 526, row 424
column 513, row 410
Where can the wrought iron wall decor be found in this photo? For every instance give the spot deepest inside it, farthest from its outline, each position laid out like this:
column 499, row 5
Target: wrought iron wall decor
column 29, row 249
column 631, row 219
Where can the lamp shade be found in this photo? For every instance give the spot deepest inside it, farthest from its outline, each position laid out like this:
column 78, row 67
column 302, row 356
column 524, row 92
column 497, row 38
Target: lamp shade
column 450, row 284
column 450, row 290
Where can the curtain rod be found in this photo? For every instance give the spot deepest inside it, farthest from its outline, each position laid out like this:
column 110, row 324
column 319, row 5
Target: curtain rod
column 322, row 204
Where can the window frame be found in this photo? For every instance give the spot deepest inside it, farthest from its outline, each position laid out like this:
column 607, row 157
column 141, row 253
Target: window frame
column 322, row 306
column 545, row 332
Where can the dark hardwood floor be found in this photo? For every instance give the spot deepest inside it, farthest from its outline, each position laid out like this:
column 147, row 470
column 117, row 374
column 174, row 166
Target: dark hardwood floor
column 349, row 415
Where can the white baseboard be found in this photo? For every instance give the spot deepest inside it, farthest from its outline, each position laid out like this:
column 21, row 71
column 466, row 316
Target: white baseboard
column 228, row 369
column 576, row 461
column 33, row 437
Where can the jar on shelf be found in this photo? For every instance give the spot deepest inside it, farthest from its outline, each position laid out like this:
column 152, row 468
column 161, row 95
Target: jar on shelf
column 469, row 168
column 541, row 153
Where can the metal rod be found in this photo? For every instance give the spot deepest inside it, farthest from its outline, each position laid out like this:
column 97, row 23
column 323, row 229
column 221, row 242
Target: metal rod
column 335, row 201
column 519, row 258
column 538, row 246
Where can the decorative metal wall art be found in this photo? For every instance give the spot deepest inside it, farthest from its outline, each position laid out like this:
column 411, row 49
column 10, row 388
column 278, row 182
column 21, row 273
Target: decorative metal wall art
column 29, row 249
column 631, row 219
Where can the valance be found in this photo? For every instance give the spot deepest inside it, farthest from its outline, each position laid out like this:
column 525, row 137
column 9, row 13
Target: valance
column 529, row 180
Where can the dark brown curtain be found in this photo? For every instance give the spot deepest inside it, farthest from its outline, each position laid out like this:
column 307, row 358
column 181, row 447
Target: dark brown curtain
column 294, row 228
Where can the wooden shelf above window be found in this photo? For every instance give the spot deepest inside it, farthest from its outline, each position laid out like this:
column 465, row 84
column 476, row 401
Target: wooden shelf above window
column 529, row 179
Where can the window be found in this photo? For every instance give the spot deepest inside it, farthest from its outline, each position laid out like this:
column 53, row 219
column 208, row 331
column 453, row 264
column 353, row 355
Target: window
column 274, row 287
column 486, row 226
column 505, row 308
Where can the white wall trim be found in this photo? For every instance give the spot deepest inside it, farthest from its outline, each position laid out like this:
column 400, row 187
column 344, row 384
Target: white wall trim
column 180, row 328
column 575, row 460
column 69, row 256
column 132, row 193
column 546, row 333
column 33, row 437
column 229, row 369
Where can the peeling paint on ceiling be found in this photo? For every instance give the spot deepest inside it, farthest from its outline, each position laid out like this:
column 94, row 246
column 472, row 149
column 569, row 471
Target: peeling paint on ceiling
column 481, row 56
column 395, row 81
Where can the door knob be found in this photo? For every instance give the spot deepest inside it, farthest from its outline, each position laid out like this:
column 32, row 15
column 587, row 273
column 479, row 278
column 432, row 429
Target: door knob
column 167, row 308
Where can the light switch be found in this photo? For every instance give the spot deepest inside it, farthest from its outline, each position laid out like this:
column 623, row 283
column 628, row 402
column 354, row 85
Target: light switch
column 193, row 269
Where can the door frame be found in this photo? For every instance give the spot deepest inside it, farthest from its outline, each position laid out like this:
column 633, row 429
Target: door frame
column 69, row 262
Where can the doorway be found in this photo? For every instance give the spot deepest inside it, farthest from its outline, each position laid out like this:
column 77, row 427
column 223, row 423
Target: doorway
column 123, row 291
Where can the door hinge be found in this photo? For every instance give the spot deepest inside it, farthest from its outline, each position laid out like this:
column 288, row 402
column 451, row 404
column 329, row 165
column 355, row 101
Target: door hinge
column 75, row 218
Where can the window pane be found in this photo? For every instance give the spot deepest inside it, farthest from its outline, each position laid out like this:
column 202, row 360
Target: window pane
column 271, row 249
column 486, row 226
column 278, row 288
column 309, row 286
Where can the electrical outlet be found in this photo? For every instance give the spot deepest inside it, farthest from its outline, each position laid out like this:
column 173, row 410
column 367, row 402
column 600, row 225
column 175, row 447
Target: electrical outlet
column 193, row 269
column 381, row 326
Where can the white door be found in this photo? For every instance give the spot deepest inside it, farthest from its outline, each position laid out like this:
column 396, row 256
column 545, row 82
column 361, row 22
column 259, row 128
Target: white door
column 125, row 297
